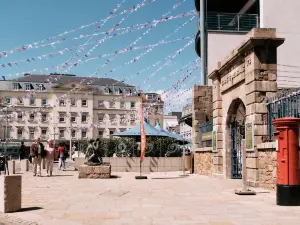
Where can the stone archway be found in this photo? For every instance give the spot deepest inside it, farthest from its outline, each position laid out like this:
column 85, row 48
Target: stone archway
column 235, row 127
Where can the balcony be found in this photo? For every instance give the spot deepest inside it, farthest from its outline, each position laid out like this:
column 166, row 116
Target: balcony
column 232, row 22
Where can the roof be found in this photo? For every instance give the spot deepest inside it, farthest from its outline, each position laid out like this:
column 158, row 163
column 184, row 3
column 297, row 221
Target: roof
column 65, row 78
column 136, row 131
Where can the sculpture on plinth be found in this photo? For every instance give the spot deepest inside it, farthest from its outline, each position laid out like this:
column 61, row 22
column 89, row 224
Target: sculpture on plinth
column 93, row 153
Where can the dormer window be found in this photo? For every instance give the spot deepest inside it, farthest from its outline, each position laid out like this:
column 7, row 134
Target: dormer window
column 28, row 87
column 40, row 87
column 61, row 102
column 17, row 86
column 117, row 91
column 106, row 90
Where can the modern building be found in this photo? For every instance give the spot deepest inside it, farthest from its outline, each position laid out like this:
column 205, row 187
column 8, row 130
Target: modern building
column 66, row 107
column 185, row 129
column 229, row 21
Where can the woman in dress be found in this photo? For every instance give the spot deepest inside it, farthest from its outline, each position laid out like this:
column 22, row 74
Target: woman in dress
column 50, row 153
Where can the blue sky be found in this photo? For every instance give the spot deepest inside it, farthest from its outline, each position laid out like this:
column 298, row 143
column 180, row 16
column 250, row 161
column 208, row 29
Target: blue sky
column 25, row 22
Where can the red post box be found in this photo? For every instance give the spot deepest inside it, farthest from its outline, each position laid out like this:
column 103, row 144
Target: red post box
column 288, row 171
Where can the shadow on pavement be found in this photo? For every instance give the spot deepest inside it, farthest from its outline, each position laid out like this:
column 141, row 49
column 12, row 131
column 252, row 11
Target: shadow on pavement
column 62, row 175
column 114, row 176
column 30, row 209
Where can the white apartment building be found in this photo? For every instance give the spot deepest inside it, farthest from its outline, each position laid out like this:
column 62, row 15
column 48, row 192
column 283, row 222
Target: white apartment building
column 229, row 21
column 66, row 107
column 185, row 129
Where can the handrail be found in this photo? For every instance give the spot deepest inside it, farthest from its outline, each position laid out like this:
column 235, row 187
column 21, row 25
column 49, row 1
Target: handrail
column 232, row 22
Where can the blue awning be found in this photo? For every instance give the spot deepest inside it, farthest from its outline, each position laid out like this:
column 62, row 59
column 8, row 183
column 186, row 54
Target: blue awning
column 136, row 131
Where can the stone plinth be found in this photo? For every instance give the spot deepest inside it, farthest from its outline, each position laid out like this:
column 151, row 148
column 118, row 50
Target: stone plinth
column 24, row 165
column 95, row 172
column 11, row 166
column 10, row 193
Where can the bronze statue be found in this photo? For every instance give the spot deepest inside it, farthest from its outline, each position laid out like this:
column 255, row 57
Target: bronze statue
column 93, row 153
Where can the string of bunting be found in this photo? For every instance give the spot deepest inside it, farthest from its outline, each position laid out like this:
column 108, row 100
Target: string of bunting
column 110, row 31
column 5, row 53
column 140, row 37
column 129, row 28
column 73, row 56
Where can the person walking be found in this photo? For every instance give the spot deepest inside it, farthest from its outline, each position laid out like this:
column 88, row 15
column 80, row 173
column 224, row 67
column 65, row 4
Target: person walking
column 22, row 150
column 49, row 157
column 61, row 154
column 37, row 153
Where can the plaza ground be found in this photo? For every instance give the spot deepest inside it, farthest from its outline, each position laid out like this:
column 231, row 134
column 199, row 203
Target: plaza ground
column 164, row 198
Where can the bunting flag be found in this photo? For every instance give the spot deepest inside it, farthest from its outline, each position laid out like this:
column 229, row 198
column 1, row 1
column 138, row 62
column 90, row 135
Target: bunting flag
column 33, row 45
column 143, row 134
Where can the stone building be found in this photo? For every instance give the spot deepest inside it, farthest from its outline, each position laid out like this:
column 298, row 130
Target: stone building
column 241, row 84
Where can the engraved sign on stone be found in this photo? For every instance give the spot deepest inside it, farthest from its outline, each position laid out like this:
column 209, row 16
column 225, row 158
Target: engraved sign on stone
column 249, row 136
column 214, row 140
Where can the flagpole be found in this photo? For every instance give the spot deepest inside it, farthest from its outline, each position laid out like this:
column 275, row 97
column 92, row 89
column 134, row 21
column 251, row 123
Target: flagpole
column 143, row 137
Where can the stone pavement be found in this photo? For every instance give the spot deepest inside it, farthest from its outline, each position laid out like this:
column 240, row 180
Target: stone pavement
column 165, row 198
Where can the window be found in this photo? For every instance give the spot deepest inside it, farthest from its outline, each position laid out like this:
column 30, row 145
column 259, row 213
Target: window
column 100, row 103
column 31, row 133
column 83, row 133
column 8, row 130
column 73, row 102
column 62, row 117
column 132, row 104
column 106, row 90
column 16, row 86
column 7, row 100
column 20, row 133
column 44, row 101
column 61, row 102
column 20, row 101
column 123, row 119
column 83, row 102
column 100, row 118
column 20, row 116
column 40, row 87
column 44, row 117
column 100, row 133
column 73, row 117
column 84, row 117
column 73, row 133
column 111, row 132
column 28, row 87
column 32, row 100
column 132, row 119
column 112, row 104
column 122, row 105
column 44, row 133
column 117, row 91
column 61, row 133
column 31, row 116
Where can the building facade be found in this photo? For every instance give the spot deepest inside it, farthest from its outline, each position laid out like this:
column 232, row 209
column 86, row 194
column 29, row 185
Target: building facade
column 68, row 108
column 185, row 129
column 154, row 109
column 229, row 23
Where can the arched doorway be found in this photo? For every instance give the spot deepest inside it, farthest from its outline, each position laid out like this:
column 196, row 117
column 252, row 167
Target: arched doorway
column 236, row 125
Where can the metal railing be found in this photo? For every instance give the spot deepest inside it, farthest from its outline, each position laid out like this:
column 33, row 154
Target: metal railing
column 206, row 129
column 232, row 22
column 285, row 104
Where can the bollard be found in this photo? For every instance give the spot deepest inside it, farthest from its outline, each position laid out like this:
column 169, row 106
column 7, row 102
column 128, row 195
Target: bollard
column 24, row 165
column 288, row 172
column 43, row 164
column 10, row 193
column 12, row 166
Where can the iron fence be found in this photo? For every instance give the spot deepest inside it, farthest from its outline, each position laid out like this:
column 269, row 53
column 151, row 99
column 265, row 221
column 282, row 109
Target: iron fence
column 232, row 22
column 206, row 129
column 285, row 104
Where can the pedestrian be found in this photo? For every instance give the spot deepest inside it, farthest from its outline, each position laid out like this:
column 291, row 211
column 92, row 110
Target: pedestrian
column 61, row 154
column 22, row 150
column 37, row 153
column 49, row 157
column 73, row 149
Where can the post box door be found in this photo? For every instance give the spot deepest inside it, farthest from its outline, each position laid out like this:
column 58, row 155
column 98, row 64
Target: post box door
column 282, row 159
